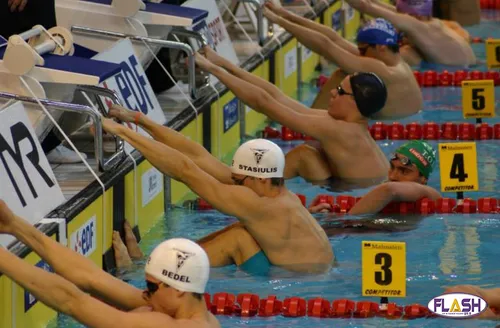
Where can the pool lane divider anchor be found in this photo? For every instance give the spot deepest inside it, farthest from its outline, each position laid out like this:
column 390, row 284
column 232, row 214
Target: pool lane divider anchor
column 250, row 305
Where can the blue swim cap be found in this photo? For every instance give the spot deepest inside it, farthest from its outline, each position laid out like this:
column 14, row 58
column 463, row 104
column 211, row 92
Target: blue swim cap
column 378, row 31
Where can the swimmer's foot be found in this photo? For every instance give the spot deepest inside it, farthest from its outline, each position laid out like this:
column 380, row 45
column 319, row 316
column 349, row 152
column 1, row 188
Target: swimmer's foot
column 122, row 258
column 133, row 247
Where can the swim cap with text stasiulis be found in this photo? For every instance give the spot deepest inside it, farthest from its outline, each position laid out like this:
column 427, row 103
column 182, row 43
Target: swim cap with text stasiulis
column 415, row 7
column 181, row 264
column 259, row 158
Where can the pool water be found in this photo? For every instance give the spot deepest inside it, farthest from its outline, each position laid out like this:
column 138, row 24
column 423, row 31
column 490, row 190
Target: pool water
column 442, row 250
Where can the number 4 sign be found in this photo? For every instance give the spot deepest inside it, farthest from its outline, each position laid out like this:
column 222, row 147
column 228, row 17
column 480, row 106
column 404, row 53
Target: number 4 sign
column 458, row 167
column 383, row 267
column 478, row 99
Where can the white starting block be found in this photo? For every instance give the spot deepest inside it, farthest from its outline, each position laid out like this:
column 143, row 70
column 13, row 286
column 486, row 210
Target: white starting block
column 43, row 60
column 96, row 24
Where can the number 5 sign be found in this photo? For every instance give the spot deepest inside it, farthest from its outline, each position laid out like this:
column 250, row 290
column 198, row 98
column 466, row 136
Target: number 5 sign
column 383, row 267
column 458, row 167
column 478, row 99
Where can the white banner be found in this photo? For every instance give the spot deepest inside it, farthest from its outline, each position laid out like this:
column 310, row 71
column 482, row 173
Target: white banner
column 214, row 30
column 131, row 84
column 27, row 183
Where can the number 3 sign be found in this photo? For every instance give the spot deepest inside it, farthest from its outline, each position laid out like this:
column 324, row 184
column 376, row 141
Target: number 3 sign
column 383, row 269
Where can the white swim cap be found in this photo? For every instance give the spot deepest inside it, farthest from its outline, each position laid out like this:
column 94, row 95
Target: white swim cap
column 181, row 264
column 259, row 158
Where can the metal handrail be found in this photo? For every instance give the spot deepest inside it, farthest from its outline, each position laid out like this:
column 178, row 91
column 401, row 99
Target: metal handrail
column 193, row 92
column 74, row 108
column 260, row 20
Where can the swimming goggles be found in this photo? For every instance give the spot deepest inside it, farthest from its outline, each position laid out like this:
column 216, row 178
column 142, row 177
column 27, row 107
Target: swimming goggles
column 152, row 287
column 239, row 182
column 342, row 92
column 403, row 159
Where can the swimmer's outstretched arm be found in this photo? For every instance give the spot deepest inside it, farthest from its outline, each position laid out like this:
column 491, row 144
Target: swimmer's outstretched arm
column 312, row 25
column 322, row 45
column 316, row 126
column 72, row 266
column 266, row 86
column 196, row 152
column 63, row 296
column 384, row 5
column 378, row 198
column 237, row 201
column 403, row 22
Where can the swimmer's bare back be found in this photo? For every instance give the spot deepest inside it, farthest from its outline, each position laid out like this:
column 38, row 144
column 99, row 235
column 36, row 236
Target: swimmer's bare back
column 352, row 153
column 440, row 44
column 289, row 236
column 404, row 97
column 207, row 320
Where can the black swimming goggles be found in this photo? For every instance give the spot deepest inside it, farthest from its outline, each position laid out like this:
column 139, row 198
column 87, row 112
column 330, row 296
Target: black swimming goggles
column 152, row 287
column 403, row 159
column 342, row 92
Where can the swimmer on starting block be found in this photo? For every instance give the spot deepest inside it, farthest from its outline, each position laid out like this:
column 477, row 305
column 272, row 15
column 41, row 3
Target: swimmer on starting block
column 176, row 274
column 377, row 51
column 344, row 152
column 274, row 229
column 427, row 38
column 411, row 166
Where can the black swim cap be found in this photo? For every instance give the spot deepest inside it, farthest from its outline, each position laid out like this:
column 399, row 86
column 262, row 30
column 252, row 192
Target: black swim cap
column 369, row 93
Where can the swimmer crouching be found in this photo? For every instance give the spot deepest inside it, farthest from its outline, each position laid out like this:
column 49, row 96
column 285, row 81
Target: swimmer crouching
column 345, row 150
column 377, row 51
column 170, row 300
column 274, row 227
column 429, row 38
column 410, row 168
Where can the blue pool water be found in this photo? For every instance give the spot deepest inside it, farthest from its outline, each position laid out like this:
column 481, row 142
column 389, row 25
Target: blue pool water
column 442, row 250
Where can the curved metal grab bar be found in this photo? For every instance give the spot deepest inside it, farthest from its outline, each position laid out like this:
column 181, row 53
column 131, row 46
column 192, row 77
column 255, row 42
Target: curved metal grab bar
column 74, row 108
column 162, row 43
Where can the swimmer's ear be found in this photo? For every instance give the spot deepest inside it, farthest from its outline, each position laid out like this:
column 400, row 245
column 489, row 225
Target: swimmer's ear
column 423, row 180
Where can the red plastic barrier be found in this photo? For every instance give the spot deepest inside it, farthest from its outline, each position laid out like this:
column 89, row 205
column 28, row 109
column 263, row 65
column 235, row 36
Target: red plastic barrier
column 366, row 309
column 449, row 131
column 425, row 206
column 466, row 206
column 325, row 199
column 484, row 132
column 270, row 133
column 393, row 311
column 318, row 307
column 416, row 311
column 202, row 205
column 379, row 131
column 496, row 131
column 270, row 306
column 287, row 134
column 430, row 79
column 487, row 205
column 294, row 307
column 445, row 79
column 466, row 131
column 430, row 131
column 248, row 305
column 342, row 308
column 414, row 131
column 419, row 77
column 345, row 203
column 396, row 131
column 445, row 205
column 493, row 75
column 458, row 77
column 302, row 198
column 222, row 304
column 322, row 79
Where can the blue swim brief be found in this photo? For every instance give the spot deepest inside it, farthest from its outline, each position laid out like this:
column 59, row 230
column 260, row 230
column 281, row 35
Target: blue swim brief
column 257, row 265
